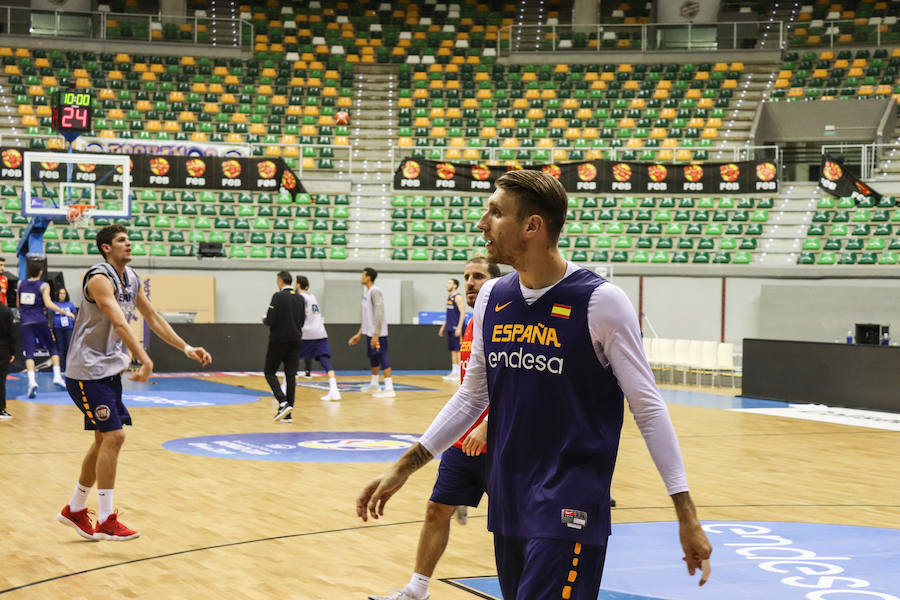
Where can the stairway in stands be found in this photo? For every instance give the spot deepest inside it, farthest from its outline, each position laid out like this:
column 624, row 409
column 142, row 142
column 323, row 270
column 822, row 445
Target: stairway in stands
column 374, row 131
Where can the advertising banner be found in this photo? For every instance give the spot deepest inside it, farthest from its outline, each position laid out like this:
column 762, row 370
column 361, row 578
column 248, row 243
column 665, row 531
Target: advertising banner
column 600, row 177
column 837, row 180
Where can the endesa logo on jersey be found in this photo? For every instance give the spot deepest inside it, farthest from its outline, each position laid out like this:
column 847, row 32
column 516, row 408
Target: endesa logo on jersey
column 539, row 335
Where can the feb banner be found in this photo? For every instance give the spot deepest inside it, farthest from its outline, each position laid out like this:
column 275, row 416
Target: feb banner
column 836, row 179
column 600, row 177
column 149, row 171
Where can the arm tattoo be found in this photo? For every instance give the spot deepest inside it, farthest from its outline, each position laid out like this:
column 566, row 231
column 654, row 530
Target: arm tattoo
column 415, row 458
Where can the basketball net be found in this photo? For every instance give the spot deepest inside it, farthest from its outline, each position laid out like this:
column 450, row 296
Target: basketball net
column 78, row 214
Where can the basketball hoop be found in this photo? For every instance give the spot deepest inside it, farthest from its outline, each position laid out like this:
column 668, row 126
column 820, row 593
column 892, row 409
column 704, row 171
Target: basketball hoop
column 78, row 214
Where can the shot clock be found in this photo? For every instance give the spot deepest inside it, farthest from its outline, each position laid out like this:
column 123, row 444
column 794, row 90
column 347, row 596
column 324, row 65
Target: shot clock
column 71, row 113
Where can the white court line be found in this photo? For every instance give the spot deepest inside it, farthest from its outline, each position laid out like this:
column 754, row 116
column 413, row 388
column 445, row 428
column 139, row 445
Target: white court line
column 871, row 419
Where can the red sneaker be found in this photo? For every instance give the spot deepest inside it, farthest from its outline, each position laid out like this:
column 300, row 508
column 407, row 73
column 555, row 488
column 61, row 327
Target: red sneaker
column 112, row 529
column 80, row 520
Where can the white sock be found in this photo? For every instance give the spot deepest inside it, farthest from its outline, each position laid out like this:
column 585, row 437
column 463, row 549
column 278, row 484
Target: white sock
column 332, row 385
column 374, row 379
column 79, row 498
column 455, row 370
column 105, row 498
column 417, row 586
column 31, row 380
column 388, row 383
column 56, row 374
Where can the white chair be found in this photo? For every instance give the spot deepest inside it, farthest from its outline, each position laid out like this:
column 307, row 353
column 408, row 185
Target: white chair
column 682, row 359
column 664, row 353
column 725, row 361
column 708, row 362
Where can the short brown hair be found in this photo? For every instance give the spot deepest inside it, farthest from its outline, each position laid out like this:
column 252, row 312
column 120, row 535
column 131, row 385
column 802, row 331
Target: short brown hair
column 107, row 234
column 538, row 193
column 493, row 268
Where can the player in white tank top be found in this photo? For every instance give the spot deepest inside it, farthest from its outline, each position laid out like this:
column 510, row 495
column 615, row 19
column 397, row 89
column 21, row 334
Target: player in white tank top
column 374, row 327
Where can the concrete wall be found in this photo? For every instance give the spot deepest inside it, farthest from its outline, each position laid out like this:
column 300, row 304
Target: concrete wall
column 853, row 120
column 811, row 304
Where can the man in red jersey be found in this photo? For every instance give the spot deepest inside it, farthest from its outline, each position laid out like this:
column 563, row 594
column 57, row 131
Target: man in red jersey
column 462, row 475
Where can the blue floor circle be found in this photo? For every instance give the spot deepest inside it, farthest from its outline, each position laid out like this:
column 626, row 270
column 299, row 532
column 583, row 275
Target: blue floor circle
column 308, row 446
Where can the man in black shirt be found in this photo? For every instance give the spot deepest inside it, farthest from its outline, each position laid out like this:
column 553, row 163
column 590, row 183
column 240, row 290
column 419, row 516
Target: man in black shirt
column 285, row 318
column 7, row 354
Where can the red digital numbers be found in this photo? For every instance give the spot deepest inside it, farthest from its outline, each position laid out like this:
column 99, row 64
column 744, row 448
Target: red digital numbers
column 74, row 117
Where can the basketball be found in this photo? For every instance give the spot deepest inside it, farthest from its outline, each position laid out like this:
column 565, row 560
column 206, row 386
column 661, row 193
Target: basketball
column 342, row 117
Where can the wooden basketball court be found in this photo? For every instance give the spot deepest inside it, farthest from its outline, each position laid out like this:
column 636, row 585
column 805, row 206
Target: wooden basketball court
column 219, row 528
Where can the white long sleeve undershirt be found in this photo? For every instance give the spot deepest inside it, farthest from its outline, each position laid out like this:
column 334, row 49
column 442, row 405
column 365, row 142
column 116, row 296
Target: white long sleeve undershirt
column 616, row 337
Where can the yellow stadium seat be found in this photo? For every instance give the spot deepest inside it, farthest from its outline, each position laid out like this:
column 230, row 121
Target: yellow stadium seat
column 709, row 133
column 114, row 74
column 41, row 62
column 453, row 154
column 705, row 103
column 154, row 125
column 510, row 142
column 140, row 67
column 238, row 118
column 658, row 133
column 559, row 154
column 404, row 142
column 669, row 143
column 795, row 92
column 171, row 126
column 234, row 138
column 573, row 133
column 866, row 90
column 701, row 75
column 22, row 53
column 858, row 63
column 729, row 84
column 6, row 51
column 695, row 122
column 35, row 90
column 257, row 129
column 55, row 144
column 545, row 143
column 631, row 85
column 184, row 116
column 199, row 87
column 634, row 143
column 638, row 103
column 107, row 133
column 667, row 113
column 737, row 66
column 683, row 155
column 693, row 93
column 143, row 105
column 345, row 102
column 470, row 154
column 661, row 93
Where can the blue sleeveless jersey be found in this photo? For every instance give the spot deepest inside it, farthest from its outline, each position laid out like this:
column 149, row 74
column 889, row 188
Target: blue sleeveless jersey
column 451, row 319
column 31, row 302
column 556, row 414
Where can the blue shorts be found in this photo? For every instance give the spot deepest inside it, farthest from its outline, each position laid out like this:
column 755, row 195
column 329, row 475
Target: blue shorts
column 41, row 331
column 378, row 358
column 101, row 402
column 540, row 568
column 452, row 341
column 315, row 348
column 461, row 479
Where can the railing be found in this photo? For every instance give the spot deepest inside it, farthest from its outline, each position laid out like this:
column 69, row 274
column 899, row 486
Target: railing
column 102, row 25
column 868, row 156
column 831, row 32
column 736, row 153
column 645, row 37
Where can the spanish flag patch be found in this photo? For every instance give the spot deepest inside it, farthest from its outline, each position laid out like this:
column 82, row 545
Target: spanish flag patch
column 561, row 310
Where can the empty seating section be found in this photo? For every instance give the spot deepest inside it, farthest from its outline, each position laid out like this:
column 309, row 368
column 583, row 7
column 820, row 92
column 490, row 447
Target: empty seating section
column 547, row 113
column 851, row 22
column 173, row 222
column 697, row 357
column 844, row 232
column 829, row 75
column 280, row 107
column 372, row 31
column 598, row 229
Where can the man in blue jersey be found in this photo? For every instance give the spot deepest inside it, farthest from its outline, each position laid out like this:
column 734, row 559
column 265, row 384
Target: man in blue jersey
column 452, row 326
column 555, row 348
column 34, row 301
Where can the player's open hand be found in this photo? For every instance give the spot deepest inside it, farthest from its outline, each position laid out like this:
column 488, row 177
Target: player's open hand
column 353, row 341
column 475, row 441
column 377, row 492
column 200, row 355
column 697, row 549
column 142, row 374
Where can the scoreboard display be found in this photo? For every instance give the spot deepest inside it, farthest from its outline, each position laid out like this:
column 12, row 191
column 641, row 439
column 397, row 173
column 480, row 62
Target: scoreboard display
column 71, row 112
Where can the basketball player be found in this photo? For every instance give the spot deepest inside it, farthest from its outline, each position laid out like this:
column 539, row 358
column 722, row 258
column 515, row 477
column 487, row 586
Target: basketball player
column 554, row 348
column 452, row 326
column 97, row 357
column 4, row 282
column 34, row 299
column 374, row 327
column 462, row 479
column 315, row 338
